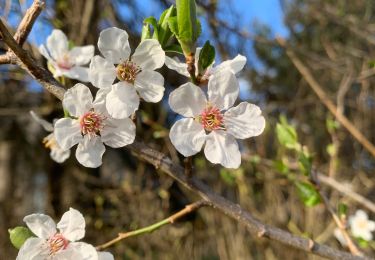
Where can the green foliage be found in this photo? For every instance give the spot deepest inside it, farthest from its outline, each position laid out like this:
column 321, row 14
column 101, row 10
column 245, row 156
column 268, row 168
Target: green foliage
column 307, row 193
column 146, row 30
column 165, row 33
column 206, row 57
column 227, row 176
column 174, row 48
column 342, row 210
column 286, row 134
column 281, row 167
column 332, row 125
column 305, row 162
column 19, row 235
column 331, row 149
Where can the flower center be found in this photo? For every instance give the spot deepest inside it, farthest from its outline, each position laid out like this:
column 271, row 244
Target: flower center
column 362, row 224
column 127, row 71
column 56, row 243
column 211, row 118
column 64, row 62
column 92, row 123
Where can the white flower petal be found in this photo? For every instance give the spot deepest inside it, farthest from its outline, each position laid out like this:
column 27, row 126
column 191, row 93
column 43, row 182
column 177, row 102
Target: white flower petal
column 41, row 225
column 187, row 136
column 235, row 65
column 84, row 250
column 150, row 85
column 67, row 132
column 176, row 65
column 114, row 45
column 45, row 124
column 371, row 225
column 105, row 256
column 82, row 55
column 90, row 151
column 78, row 73
column 32, row 249
column 99, row 103
column 43, row 50
column 57, row 44
column 122, row 100
column 77, row 100
column 118, row 132
column 223, row 89
column 187, row 100
column 102, row 72
column 149, row 55
column 244, row 121
column 59, row 155
column 72, row 225
column 222, row 148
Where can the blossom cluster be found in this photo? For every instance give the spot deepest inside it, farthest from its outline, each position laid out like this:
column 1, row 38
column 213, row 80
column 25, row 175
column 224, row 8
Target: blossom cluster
column 124, row 78
column 58, row 242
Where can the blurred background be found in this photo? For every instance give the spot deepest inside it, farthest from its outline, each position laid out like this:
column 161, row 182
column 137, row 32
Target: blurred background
column 334, row 39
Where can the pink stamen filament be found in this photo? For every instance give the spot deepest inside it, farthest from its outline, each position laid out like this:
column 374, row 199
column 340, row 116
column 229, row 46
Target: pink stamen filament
column 64, row 62
column 92, row 123
column 212, row 119
column 57, row 243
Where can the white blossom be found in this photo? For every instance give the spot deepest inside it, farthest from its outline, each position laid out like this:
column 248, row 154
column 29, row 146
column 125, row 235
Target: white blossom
column 213, row 122
column 135, row 73
column 340, row 236
column 361, row 226
column 235, row 65
column 66, row 62
column 57, row 242
column 58, row 154
column 90, row 126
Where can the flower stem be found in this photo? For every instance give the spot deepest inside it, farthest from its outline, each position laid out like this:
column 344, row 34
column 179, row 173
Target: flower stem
column 149, row 229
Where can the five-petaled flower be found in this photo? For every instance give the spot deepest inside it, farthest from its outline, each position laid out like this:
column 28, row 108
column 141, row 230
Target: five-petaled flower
column 66, row 62
column 62, row 244
column 235, row 65
column 58, row 154
column 213, row 121
column 135, row 73
column 91, row 126
column 361, row 226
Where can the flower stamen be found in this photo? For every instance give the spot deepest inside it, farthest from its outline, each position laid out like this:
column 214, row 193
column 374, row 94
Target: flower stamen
column 64, row 62
column 92, row 123
column 211, row 118
column 57, row 243
column 127, row 71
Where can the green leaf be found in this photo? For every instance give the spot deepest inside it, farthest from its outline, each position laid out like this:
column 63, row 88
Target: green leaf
column 173, row 26
column 281, row 167
column 287, row 135
column 188, row 27
column 206, row 57
column 331, row 149
column 146, row 32
column 174, row 48
column 332, row 125
column 305, row 162
column 307, row 193
column 342, row 210
column 228, row 177
column 164, row 31
column 152, row 21
column 19, row 235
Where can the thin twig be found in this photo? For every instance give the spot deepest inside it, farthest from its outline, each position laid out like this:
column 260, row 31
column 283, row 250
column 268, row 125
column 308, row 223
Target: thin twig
column 305, row 72
column 151, row 228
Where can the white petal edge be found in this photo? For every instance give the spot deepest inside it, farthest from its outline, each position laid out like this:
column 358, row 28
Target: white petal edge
column 105, row 256
column 78, row 100
column 57, row 44
column 187, row 136
column 41, row 225
column 235, row 65
column 122, row 100
column 150, row 85
column 78, row 73
column 59, row 155
column 176, row 65
column 118, row 132
column 85, row 251
column 222, row 148
column 244, row 121
column 114, row 45
column 67, row 133
column 32, row 249
column 187, row 100
column 45, row 124
column 149, row 55
column 82, row 55
column 90, row 151
column 102, row 72
column 223, row 89
column 72, row 225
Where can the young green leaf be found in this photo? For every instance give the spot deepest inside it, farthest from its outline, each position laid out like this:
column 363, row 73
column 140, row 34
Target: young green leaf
column 188, row 27
column 164, row 31
column 342, row 210
column 146, row 32
column 206, row 57
column 173, row 26
column 287, row 136
column 152, row 21
column 307, row 193
column 305, row 162
column 19, row 235
column 174, row 48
